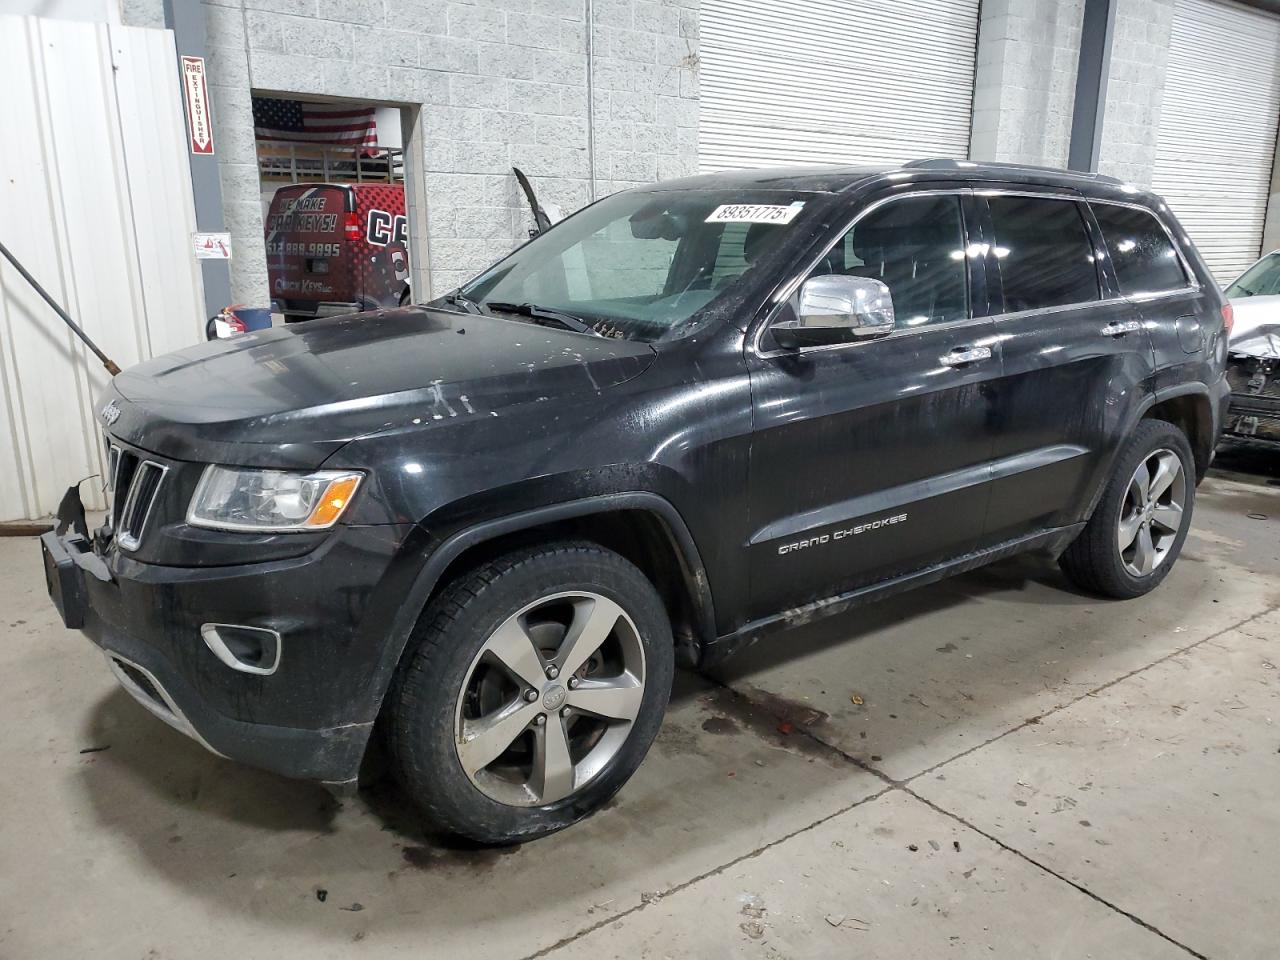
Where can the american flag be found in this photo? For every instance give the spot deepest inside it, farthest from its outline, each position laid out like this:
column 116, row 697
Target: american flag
column 332, row 124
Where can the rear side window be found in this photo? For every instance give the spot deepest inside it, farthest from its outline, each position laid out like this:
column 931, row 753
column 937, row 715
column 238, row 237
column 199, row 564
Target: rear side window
column 1045, row 257
column 1141, row 252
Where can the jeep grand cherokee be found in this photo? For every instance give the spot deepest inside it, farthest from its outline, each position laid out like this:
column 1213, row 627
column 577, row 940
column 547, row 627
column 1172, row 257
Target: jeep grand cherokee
column 677, row 422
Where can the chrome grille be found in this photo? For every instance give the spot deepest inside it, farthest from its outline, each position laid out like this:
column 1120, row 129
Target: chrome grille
column 113, row 463
column 132, row 484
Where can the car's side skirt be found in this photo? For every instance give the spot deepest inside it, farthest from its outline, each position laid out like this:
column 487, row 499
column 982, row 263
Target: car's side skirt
column 1051, row 542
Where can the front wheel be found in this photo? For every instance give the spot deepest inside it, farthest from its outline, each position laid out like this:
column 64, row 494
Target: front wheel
column 1139, row 525
column 531, row 692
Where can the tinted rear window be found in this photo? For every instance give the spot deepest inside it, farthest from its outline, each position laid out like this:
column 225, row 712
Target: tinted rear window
column 1142, row 254
column 1044, row 253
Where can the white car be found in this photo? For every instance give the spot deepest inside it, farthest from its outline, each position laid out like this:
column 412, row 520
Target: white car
column 1253, row 364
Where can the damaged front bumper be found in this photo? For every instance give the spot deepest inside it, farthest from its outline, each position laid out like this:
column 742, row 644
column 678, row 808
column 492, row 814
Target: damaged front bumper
column 304, row 720
column 1255, row 397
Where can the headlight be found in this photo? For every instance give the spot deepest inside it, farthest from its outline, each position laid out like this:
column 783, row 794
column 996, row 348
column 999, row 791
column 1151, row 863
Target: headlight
column 271, row 501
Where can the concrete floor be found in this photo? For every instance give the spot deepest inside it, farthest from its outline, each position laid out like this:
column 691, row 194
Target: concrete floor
column 996, row 766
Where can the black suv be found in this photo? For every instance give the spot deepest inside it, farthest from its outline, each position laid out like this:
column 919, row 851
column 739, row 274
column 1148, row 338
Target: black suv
column 686, row 417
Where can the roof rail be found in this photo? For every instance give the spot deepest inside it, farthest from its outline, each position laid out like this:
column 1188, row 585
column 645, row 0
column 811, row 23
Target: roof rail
column 948, row 163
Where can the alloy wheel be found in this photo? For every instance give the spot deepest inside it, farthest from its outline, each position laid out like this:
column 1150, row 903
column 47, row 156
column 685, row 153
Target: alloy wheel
column 550, row 699
column 1152, row 514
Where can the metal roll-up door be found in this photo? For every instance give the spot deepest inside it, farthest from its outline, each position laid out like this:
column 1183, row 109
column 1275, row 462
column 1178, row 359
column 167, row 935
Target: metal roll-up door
column 832, row 81
column 1217, row 133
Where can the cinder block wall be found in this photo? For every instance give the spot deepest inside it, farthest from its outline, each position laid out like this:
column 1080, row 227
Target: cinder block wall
column 499, row 82
column 1024, row 83
column 1024, row 88
column 1139, row 57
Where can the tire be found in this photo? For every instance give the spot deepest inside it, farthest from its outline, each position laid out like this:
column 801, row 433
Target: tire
column 1097, row 561
column 297, row 317
column 405, row 297
column 451, row 682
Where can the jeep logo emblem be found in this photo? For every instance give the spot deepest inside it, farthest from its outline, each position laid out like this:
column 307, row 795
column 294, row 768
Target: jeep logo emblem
column 553, row 697
column 110, row 413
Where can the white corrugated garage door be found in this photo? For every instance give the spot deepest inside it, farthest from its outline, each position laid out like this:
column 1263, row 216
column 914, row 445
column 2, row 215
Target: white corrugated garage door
column 1217, row 134
column 95, row 200
column 834, row 82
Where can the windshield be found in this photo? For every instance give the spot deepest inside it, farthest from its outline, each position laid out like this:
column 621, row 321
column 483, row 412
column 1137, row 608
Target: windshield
column 642, row 265
column 1260, row 280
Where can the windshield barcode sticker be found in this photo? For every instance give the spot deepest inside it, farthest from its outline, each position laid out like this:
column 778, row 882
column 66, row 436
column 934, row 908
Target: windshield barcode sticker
column 755, row 213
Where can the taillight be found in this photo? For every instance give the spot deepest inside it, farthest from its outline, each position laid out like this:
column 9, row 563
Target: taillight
column 351, row 227
column 1228, row 318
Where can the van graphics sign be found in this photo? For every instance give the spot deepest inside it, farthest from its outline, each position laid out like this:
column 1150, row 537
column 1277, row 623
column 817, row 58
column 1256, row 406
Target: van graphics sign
column 343, row 245
column 195, row 92
column 305, row 214
column 384, row 227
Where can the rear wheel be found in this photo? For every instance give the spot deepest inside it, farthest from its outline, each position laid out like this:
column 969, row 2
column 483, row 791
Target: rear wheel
column 532, row 691
column 1138, row 528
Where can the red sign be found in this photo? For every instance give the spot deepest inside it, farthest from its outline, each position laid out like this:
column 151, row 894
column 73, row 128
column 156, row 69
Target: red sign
column 196, row 93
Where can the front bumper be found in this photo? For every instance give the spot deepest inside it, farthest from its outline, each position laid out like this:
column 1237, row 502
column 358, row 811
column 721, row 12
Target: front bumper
column 311, row 718
column 1255, row 398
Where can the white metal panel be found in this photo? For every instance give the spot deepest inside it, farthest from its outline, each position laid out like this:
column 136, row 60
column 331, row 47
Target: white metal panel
column 1217, row 132
column 832, row 81
column 158, row 174
column 95, row 192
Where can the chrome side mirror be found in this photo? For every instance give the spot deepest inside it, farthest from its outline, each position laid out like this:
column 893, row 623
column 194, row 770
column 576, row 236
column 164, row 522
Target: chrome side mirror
column 837, row 309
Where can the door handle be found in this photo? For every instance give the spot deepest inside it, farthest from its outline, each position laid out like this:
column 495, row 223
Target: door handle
column 1120, row 329
column 961, row 356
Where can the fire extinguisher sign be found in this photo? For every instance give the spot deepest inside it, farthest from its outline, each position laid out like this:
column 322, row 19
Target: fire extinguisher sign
column 196, row 93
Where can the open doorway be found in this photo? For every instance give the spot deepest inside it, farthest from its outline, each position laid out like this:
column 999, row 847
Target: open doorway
column 332, row 178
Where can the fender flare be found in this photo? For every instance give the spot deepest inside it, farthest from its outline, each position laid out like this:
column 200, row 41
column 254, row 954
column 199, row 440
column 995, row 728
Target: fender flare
column 428, row 577
column 1149, row 400
column 1192, row 388
column 1170, row 393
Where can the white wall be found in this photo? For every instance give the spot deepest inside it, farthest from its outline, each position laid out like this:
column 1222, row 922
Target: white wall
column 91, row 11
column 95, row 193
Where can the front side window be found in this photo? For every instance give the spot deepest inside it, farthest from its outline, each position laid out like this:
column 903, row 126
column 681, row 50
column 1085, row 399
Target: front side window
column 1260, row 280
column 1141, row 253
column 643, row 265
column 915, row 246
column 1044, row 253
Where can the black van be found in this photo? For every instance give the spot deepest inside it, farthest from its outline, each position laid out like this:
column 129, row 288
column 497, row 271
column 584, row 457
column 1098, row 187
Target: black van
column 683, row 419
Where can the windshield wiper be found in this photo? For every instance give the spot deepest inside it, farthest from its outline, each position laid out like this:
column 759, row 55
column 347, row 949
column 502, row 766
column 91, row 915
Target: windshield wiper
column 535, row 312
column 458, row 300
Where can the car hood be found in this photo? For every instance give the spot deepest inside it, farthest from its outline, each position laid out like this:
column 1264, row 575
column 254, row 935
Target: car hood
column 1256, row 331
column 290, row 396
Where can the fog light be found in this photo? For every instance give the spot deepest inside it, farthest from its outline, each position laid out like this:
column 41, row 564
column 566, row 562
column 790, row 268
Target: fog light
column 247, row 649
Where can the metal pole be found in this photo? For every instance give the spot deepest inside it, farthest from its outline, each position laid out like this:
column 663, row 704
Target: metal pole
column 186, row 19
column 591, row 102
column 57, row 308
column 1092, row 72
